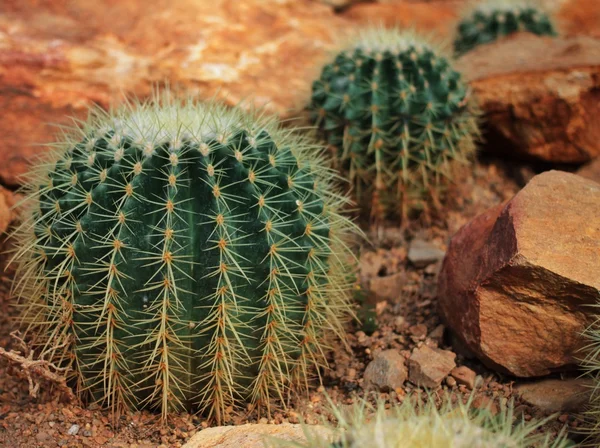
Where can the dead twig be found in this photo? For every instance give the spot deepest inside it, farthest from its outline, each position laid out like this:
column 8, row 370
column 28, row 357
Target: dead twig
column 40, row 368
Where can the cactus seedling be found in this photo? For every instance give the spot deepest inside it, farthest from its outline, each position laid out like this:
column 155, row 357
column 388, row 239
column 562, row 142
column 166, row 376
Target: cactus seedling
column 485, row 21
column 396, row 115
column 418, row 425
column 194, row 255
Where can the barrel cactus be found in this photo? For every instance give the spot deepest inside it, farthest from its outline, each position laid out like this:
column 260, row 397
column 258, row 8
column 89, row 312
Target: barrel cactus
column 417, row 425
column 397, row 117
column 485, row 21
column 590, row 361
column 194, row 256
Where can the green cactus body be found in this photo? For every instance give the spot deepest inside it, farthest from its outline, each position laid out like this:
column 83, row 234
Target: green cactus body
column 489, row 20
column 396, row 115
column 194, row 255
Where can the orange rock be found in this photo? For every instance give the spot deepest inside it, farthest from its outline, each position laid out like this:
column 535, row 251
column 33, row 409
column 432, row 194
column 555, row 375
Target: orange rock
column 58, row 58
column 251, row 436
column 517, row 281
column 580, row 17
column 541, row 95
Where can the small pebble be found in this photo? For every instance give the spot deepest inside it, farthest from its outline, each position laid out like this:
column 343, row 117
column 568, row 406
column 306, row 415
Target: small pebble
column 73, row 430
column 563, row 418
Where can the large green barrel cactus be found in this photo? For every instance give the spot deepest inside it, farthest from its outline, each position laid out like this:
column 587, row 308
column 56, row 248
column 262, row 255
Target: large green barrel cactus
column 396, row 115
column 193, row 255
column 418, row 425
column 486, row 21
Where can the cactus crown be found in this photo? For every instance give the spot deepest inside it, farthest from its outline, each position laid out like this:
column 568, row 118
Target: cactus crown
column 485, row 21
column 192, row 256
column 396, row 116
column 421, row 425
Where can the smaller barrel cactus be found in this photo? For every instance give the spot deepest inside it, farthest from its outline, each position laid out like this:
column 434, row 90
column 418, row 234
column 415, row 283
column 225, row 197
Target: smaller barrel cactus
column 418, row 425
column 397, row 117
column 193, row 256
column 485, row 21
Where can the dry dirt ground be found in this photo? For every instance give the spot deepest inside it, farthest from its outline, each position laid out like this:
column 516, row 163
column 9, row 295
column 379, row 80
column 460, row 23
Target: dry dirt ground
column 402, row 323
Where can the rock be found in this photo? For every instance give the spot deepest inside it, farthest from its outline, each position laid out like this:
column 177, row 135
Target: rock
column 388, row 287
column 591, row 170
column 340, row 4
column 6, row 214
column 419, row 331
column 386, row 372
column 57, row 59
column 579, row 17
column 517, row 281
column 73, row 430
column 557, row 395
column 422, row 253
column 250, row 436
column 540, row 95
column 428, row 366
column 438, row 333
column 464, row 375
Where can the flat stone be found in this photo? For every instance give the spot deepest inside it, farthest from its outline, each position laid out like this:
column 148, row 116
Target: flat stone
column 419, row 331
column 517, row 281
column 557, row 395
column 423, row 253
column 428, row 366
column 386, row 372
column 388, row 287
column 251, row 435
column 437, row 334
column 464, row 375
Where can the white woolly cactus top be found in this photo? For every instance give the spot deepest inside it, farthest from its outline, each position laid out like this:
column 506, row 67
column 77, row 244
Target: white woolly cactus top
column 166, row 119
column 424, row 426
column 379, row 39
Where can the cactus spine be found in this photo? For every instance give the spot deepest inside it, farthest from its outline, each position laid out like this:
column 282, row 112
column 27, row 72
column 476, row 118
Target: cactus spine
column 194, row 255
column 396, row 116
column 418, row 425
column 485, row 21
column 591, row 365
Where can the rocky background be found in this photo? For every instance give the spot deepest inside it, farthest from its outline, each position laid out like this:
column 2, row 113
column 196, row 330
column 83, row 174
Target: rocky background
column 491, row 298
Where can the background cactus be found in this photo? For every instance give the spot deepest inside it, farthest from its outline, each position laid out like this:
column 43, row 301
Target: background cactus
column 485, row 21
column 396, row 116
column 419, row 425
column 194, row 256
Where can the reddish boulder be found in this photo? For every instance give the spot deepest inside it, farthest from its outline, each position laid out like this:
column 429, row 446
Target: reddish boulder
column 517, row 281
column 540, row 95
